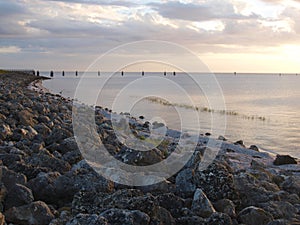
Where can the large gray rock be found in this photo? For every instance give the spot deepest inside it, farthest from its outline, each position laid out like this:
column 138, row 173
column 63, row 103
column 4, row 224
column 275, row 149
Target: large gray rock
column 36, row 213
column 125, row 217
column 59, row 189
column 284, row 160
column 280, row 209
column 254, row 216
column 88, row 219
column 217, row 181
column 45, row 159
column 201, row 205
column 10, row 178
column 184, row 183
column 225, row 206
column 292, row 185
column 219, row 219
column 17, row 196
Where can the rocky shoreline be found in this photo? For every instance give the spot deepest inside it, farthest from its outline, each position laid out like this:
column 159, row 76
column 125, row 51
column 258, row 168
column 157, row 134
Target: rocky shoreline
column 45, row 180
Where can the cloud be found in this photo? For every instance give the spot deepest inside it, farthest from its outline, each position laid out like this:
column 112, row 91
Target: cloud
column 198, row 12
column 9, row 49
column 97, row 2
column 81, row 30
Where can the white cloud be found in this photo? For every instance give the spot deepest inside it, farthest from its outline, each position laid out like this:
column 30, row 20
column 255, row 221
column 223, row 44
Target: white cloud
column 9, row 49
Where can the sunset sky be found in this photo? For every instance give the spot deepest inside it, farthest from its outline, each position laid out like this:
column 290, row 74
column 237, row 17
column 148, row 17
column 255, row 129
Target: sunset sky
column 227, row 35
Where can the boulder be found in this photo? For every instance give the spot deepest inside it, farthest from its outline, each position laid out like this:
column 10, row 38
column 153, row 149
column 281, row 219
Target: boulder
column 291, row 184
column 225, row 206
column 190, row 220
column 5, row 131
column 87, row 219
column 284, row 160
column 216, row 181
column 201, row 205
column 26, row 118
column 36, row 213
column 45, row 159
column 10, row 178
column 17, row 196
column 125, row 217
column 219, row 219
column 254, row 148
column 254, row 216
column 184, row 183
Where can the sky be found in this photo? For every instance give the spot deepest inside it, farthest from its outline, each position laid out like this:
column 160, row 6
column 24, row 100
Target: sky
column 227, row 35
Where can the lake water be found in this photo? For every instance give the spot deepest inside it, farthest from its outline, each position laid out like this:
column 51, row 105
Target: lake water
column 260, row 109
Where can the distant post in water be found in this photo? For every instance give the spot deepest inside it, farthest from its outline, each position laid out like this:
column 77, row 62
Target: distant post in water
column 174, row 73
column 122, row 73
column 51, row 73
column 143, row 73
column 76, row 73
column 98, row 73
column 63, row 73
column 165, row 73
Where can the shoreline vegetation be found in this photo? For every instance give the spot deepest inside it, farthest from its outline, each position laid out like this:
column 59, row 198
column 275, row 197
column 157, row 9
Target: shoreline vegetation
column 206, row 109
column 45, row 180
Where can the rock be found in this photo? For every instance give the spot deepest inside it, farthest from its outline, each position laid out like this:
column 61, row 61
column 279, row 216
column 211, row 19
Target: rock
column 184, row 183
column 250, row 191
column 162, row 216
column 140, row 158
column 201, row 205
column 44, row 119
column 125, row 217
column 127, row 199
column 26, row 118
column 5, row 131
column 45, row 159
column 225, row 206
column 57, row 135
column 10, row 178
column 64, row 218
column 36, row 213
column 240, row 142
column 292, row 185
column 280, row 222
column 87, row 219
column 57, row 189
column 254, row 216
column 42, row 129
column 2, row 219
column 280, row 209
column 3, row 192
column 10, row 160
column 254, row 148
column 68, row 145
column 17, row 196
column 284, row 160
column 190, row 220
column 73, row 157
column 222, row 138
column 219, row 219
column 216, row 181
column 172, row 203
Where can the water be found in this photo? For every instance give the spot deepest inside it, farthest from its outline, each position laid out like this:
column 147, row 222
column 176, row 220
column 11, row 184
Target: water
column 261, row 109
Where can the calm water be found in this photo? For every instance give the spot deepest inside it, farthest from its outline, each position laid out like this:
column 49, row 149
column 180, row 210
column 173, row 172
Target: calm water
column 261, row 109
